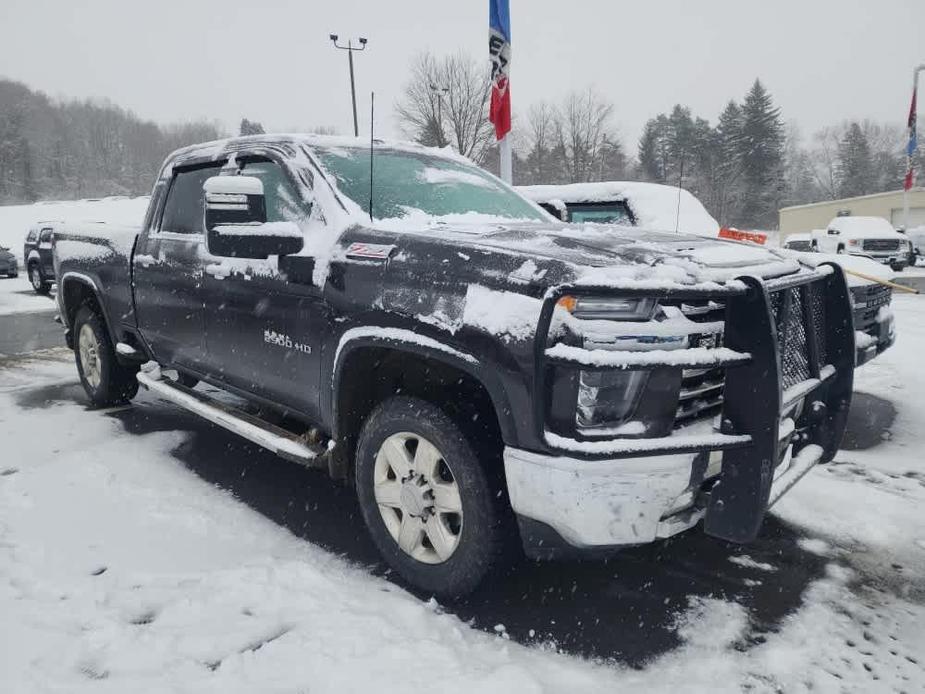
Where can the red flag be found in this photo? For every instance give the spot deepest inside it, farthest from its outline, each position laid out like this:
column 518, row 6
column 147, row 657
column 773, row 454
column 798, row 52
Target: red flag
column 499, row 48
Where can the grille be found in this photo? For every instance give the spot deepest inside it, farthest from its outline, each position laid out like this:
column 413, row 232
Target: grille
column 867, row 302
column 817, row 315
column 787, row 307
column 881, row 245
column 701, row 389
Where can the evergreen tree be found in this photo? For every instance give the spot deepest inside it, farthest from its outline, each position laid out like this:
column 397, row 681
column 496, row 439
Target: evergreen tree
column 761, row 147
column 855, row 166
column 249, row 127
column 653, row 150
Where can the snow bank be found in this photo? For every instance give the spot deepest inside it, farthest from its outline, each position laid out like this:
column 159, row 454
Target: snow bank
column 15, row 220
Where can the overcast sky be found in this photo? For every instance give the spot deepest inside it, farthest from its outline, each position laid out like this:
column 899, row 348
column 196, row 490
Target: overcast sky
column 271, row 60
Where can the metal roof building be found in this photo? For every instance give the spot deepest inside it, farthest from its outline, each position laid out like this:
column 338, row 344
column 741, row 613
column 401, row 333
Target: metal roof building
column 802, row 218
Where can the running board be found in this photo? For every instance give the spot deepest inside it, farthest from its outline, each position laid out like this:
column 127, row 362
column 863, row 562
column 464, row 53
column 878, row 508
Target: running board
column 282, row 442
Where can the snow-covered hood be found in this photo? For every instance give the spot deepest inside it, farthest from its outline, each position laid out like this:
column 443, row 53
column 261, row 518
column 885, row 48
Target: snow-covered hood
column 610, row 255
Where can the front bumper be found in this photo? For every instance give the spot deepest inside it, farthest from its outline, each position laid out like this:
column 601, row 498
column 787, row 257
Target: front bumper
column 569, row 506
column 891, row 258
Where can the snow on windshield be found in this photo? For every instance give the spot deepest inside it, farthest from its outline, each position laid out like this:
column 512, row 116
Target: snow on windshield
column 408, row 183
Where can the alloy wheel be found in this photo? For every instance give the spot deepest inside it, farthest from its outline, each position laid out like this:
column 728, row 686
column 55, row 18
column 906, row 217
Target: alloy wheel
column 418, row 497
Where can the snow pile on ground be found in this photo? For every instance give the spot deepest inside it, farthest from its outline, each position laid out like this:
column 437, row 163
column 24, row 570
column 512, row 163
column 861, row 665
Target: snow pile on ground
column 15, row 220
column 18, row 296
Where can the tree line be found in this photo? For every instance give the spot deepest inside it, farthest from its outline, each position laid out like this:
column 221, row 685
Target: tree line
column 76, row 149
column 744, row 167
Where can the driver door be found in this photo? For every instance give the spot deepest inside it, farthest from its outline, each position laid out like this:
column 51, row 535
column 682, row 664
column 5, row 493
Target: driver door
column 263, row 327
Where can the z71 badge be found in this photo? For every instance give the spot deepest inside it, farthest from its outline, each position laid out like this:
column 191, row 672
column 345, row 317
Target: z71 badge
column 370, row 251
column 271, row 337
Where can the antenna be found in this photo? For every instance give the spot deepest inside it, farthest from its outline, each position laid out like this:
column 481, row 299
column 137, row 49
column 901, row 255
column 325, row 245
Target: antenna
column 372, row 114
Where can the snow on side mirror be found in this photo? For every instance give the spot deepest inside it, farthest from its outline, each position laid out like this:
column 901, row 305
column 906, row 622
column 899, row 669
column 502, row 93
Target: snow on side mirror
column 236, row 221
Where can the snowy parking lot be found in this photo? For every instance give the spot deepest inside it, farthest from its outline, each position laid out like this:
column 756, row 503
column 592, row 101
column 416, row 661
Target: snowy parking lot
column 142, row 549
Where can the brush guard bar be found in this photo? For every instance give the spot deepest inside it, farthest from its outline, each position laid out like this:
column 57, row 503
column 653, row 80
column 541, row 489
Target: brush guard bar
column 755, row 397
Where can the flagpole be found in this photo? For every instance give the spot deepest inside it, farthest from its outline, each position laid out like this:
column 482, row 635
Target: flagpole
column 915, row 87
column 507, row 167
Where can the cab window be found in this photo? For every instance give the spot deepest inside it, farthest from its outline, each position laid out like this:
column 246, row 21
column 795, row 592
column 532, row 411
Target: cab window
column 33, row 235
column 282, row 199
column 183, row 210
column 46, row 235
column 605, row 213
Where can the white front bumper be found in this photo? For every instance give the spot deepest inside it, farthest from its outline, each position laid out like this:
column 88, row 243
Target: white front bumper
column 600, row 503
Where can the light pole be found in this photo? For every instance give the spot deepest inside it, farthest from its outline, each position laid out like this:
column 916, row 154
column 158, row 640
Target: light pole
column 353, row 92
column 912, row 115
column 440, row 91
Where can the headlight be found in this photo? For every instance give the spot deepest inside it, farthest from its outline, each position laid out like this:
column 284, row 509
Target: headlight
column 853, row 242
column 607, row 398
column 598, row 308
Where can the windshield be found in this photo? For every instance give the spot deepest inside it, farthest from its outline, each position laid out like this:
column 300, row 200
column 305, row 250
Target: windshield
column 405, row 183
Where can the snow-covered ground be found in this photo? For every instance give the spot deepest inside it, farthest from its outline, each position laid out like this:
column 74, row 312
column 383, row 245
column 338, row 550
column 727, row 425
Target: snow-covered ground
column 142, row 550
column 15, row 220
column 18, row 296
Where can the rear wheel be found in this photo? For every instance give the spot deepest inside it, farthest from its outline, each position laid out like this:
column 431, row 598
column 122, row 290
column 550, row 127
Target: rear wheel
column 105, row 380
column 425, row 498
column 38, row 280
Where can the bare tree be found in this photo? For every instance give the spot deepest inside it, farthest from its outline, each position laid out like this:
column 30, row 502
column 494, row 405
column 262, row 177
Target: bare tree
column 541, row 165
column 824, row 160
column 584, row 135
column 446, row 100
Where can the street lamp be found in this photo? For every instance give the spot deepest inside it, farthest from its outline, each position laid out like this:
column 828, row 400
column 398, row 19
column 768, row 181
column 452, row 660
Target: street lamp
column 350, row 48
column 440, row 92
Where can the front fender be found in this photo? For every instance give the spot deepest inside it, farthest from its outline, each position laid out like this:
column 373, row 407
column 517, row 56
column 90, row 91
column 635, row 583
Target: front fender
column 433, row 348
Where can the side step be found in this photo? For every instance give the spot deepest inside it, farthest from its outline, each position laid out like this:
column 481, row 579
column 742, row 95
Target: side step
column 282, row 442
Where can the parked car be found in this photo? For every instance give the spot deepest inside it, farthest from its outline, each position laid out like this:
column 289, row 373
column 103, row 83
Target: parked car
column 477, row 370
column 874, row 237
column 799, row 242
column 37, row 253
column 631, row 203
column 9, row 266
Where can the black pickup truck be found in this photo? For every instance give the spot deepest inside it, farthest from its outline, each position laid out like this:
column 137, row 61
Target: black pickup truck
column 477, row 369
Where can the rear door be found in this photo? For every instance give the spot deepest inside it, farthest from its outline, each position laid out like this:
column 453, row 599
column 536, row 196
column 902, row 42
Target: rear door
column 168, row 271
column 263, row 326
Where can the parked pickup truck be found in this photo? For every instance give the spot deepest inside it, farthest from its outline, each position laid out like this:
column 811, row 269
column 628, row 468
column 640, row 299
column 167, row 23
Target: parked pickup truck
column 477, row 369
column 873, row 237
column 37, row 253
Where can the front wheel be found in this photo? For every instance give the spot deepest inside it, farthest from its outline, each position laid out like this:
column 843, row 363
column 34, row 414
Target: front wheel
column 38, row 280
column 425, row 498
column 105, row 380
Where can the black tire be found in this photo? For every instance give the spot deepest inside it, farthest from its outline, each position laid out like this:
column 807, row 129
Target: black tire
column 38, row 281
column 481, row 533
column 106, row 382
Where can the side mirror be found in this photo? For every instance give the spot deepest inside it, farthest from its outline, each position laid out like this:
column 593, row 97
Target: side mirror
column 236, row 221
column 833, row 232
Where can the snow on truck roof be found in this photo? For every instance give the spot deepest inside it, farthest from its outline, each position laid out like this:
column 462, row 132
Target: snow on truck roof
column 863, row 226
column 216, row 148
column 655, row 206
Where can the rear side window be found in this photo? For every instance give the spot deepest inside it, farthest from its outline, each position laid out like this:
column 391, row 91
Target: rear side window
column 33, row 235
column 608, row 213
column 183, row 211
